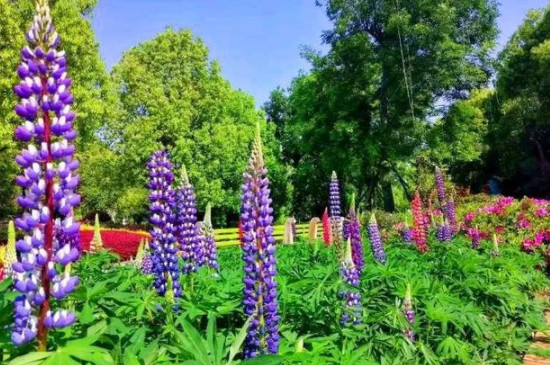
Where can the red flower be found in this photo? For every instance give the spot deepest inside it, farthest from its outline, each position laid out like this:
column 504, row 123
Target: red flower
column 122, row 242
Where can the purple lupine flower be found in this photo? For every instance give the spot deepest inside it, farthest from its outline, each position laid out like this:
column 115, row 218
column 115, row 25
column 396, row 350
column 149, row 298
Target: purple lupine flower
column 335, row 211
column 147, row 264
column 376, row 241
column 475, row 235
column 350, row 276
column 451, row 215
column 444, row 232
column 163, row 244
column 407, row 234
column 353, row 233
column 258, row 245
column 49, row 181
column 440, row 187
column 186, row 224
column 208, row 244
column 408, row 312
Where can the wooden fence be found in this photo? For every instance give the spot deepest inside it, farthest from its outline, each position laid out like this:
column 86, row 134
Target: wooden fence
column 226, row 237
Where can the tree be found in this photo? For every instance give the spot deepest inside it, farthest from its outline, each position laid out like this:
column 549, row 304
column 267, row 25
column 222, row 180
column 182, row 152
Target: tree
column 364, row 105
column 172, row 96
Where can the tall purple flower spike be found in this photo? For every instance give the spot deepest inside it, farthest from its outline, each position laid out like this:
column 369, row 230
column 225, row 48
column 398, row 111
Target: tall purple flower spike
column 163, row 244
column 352, row 231
column 208, row 244
column 451, row 215
column 335, row 212
column 444, row 232
column 258, row 246
column 48, row 181
column 187, row 231
column 352, row 297
column 440, row 187
column 408, row 312
column 376, row 241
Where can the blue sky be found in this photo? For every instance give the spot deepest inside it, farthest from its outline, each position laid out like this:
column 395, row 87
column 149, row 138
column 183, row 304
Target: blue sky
column 257, row 42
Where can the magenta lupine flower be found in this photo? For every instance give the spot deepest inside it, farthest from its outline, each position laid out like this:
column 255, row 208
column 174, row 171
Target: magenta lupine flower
column 208, row 244
column 375, row 241
column 48, row 181
column 353, row 233
column 258, row 245
column 475, row 235
column 186, row 225
column 147, row 265
column 350, row 276
column 163, row 244
column 335, row 210
column 408, row 312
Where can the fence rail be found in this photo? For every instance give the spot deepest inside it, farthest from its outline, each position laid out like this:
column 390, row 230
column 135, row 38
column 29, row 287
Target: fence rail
column 227, row 237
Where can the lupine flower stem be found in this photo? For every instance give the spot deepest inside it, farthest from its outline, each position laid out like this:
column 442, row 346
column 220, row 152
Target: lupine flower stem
column 408, row 312
column 336, row 214
column 419, row 224
column 376, row 241
column 440, row 187
column 49, row 181
column 354, row 235
column 186, row 224
column 208, row 244
column 258, row 245
column 165, row 259
column 350, row 275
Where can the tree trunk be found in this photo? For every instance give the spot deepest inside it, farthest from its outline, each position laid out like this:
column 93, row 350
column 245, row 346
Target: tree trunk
column 387, row 191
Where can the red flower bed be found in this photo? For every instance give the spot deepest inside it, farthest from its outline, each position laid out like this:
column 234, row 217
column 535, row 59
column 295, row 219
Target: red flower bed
column 122, row 242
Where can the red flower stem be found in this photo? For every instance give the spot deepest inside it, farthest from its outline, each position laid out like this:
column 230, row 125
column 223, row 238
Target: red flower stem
column 48, row 239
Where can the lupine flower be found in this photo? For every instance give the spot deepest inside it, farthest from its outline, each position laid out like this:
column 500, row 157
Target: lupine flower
column 206, row 234
column 440, row 186
column 49, row 181
column 163, row 244
column 258, row 245
column 186, row 225
column 419, row 226
column 474, row 234
column 408, row 312
column 496, row 250
column 375, row 241
column 350, row 276
column 97, row 243
column 147, row 264
column 326, row 228
column 444, row 232
column 451, row 215
column 354, row 235
column 335, row 211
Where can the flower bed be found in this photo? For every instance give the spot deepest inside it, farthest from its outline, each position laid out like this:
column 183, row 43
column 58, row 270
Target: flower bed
column 121, row 241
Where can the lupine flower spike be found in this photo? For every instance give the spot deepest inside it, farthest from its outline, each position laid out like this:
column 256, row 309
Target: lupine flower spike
column 496, row 249
column 49, row 181
column 352, row 297
column 451, row 215
column 444, row 231
column 258, row 245
column 475, row 236
column 163, row 244
column 376, row 241
column 354, row 235
column 11, row 251
column 336, row 214
column 206, row 233
column 440, row 187
column 419, row 224
column 326, row 228
column 186, row 224
column 407, row 234
column 97, row 243
column 408, row 312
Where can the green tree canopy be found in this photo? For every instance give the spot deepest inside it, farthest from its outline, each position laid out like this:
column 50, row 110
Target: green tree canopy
column 172, row 96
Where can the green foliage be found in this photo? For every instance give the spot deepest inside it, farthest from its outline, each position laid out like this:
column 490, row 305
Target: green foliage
column 362, row 109
column 470, row 308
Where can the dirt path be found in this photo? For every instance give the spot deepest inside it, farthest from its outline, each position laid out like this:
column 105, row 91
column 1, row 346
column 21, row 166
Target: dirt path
column 542, row 343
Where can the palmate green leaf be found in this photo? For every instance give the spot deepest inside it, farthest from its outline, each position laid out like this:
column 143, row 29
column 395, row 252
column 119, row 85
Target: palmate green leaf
column 264, row 360
column 33, row 358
